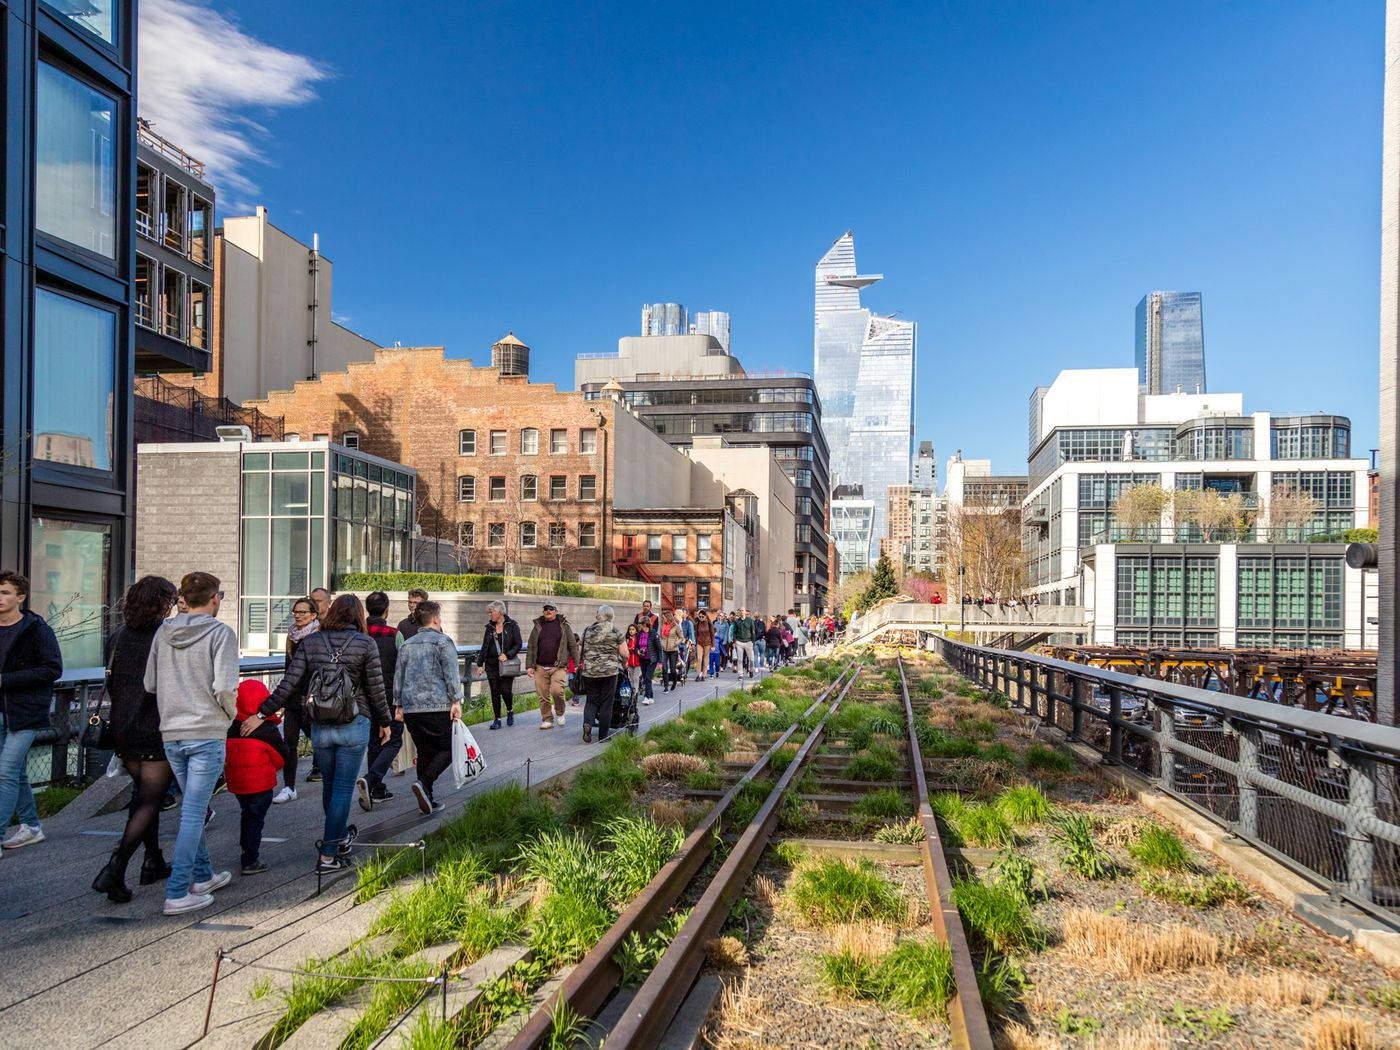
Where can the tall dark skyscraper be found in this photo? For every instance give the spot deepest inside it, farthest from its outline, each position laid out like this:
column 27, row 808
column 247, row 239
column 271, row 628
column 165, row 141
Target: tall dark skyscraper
column 1170, row 343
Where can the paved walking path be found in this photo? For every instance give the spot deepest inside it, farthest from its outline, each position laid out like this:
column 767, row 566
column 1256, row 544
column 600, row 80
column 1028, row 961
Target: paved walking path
column 77, row 971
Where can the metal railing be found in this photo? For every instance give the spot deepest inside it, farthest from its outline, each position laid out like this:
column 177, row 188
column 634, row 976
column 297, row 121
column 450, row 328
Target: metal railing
column 59, row 755
column 1317, row 792
column 926, row 615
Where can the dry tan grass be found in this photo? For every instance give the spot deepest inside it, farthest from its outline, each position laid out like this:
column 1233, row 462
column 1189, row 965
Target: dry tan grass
column 672, row 765
column 1151, row 1036
column 766, row 891
column 1134, row 949
column 862, row 940
column 740, row 1019
column 762, row 707
column 747, row 757
column 1121, row 832
column 1271, row 989
column 727, row 953
column 1017, row 1037
column 670, row 812
column 1338, row 1031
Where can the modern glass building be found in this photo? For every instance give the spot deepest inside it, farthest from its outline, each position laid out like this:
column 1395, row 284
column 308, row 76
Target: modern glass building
column 1170, row 343
column 865, row 378
column 852, row 531
column 665, row 319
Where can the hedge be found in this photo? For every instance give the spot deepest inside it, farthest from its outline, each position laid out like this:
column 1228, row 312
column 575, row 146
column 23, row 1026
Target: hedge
column 428, row 581
column 1349, row 536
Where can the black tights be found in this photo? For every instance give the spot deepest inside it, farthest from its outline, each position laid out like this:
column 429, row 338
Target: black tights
column 150, row 780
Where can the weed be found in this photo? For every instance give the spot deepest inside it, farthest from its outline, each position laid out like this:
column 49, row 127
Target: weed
column 1387, row 998
column 885, row 804
column 937, row 744
column 586, row 804
column 977, row 824
column 795, row 814
column 566, row 1026
column 1000, row 753
column 671, row 813
column 790, row 853
column 838, row 890
column 639, row 954
column 1078, row 852
column 565, row 926
column 927, row 687
column 1273, row 989
column 1021, row 875
column 1134, row 949
column 1206, row 892
column 1160, row 849
column 1001, row 983
column 977, row 728
column 872, row 767
column 430, row 1032
column 1025, row 804
column 1070, row 1023
column 1199, row 1023
column 261, row 989
column 909, row 833
column 639, row 849
column 1042, row 759
column 494, row 824
column 372, row 876
column 886, row 725
column 704, row 780
column 918, row 976
column 309, row 995
column 387, row 1001
column 996, row 916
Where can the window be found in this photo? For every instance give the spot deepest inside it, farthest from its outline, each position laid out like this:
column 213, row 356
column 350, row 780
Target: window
column 558, row 536
column 653, row 548
column 466, row 442
column 529, row 487
column 496, row 491
column 496, row 534
column 558, row 487
column 588, row 534
column 78, row 580
column 76, row 157
column 588, row 440
column 587, row 487
column 498, row 442
column 527, row 534
column 96, row 16
column 466, row 489
column 529, row 441
column 466, row 534
column 702, row 594
column 678, row 594
column 678, row 547
column 558, row 441
column 702, row 548
column 75, row 362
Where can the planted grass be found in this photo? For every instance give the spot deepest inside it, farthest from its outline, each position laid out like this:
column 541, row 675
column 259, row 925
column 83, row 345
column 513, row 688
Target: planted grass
column 439, row 909
column 1134, row 949
column 1042, row 759
column 908, row 833
column 867, row 963
column 836, row 890
column 997, row 917
column 1022, row 805
column 1160, row 850
column 1208, row 892
column 386, row 1002
column 883, row 805
column 1079, row 853
column 332, row 980
column 972, row 823
column 878, row 763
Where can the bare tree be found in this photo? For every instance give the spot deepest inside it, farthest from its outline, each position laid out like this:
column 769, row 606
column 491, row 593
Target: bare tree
column 987, row 544
column 1139, row 509
column 1219, row 516
column 1291, row 510
column 847, row 589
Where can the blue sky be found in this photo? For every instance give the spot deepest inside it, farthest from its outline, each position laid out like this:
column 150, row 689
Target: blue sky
column 1021, row 173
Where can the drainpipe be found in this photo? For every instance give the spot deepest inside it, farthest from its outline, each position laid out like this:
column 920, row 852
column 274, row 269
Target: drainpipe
column 606, row 501
column 314, row 268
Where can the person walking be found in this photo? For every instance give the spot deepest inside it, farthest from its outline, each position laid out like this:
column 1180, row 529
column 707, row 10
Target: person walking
column 648, row 655
column 773, row 643
column 408, row 626
column 646, row 618
column 136, row 739
column 193, row 672
column 634, row 662
column 743, row 644
column 305, row 623
column 687, row 643
column 340, row 662
column 720, row 653
column 250, row 770
column 704, row 642
column 604, row 652
column 370, row 788
column 760, row 639
column 500, row 648
column 429, row 688
column 30, row 663
column 670, row 651
column 552, row 646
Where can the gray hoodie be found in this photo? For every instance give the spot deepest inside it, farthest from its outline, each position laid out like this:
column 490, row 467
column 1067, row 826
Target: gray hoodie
column 193, row 670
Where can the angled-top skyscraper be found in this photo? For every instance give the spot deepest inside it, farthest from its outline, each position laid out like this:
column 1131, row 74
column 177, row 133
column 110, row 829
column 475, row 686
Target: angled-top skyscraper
column 865, row 379
column 1170, row 343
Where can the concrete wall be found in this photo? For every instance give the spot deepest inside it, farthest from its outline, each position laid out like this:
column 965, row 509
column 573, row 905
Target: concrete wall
column 187, row 516
column 649, row 473
column 665, row 355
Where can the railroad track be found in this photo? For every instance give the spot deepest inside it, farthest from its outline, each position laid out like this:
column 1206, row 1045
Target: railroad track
column 648, row 1015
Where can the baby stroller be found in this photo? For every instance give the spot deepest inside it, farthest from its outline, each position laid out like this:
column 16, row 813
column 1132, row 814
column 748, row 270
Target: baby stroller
column 624, row 712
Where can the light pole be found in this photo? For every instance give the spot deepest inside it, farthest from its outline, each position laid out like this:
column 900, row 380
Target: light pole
column 962, row 605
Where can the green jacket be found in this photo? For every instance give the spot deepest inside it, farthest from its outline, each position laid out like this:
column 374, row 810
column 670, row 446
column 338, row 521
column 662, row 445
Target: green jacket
column 743, row 629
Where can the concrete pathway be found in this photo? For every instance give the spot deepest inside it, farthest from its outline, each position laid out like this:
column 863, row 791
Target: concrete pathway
column 77, row 971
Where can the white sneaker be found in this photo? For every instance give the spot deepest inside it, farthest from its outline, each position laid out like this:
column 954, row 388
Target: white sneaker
column 648, row 702
column 559, row 721
column 189, row 902
column 285, row 795
column 24, row 835
column 545, row 723
column 218, row 881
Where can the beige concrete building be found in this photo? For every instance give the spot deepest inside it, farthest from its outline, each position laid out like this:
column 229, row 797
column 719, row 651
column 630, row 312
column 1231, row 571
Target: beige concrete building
column 658, row 357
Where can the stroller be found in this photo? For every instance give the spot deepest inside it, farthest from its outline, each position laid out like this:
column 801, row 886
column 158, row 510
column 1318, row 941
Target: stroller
column 624, row 711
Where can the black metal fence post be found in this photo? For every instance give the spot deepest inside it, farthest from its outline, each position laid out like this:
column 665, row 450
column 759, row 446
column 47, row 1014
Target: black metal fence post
column 1115, row 724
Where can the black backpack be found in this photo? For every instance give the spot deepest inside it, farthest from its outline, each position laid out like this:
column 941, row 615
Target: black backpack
column 330, row 691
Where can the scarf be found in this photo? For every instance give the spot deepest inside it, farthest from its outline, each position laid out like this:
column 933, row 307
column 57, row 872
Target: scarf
column 296, row 634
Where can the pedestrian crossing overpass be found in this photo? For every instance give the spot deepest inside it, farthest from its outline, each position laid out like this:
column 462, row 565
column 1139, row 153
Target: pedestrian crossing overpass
column 1012, row 628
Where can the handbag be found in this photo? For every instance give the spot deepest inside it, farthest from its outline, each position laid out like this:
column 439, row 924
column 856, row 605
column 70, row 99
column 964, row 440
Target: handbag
column 97, row 734
column 510, row 668
column 467, row 759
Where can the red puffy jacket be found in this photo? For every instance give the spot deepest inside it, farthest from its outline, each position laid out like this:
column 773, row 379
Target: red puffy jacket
column 251, row 762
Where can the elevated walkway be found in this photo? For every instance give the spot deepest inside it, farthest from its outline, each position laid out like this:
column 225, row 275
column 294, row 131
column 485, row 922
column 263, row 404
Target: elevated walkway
column 985, row 623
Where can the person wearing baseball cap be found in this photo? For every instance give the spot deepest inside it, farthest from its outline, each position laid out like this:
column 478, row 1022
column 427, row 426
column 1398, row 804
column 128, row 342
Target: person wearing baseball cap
column 552, row 645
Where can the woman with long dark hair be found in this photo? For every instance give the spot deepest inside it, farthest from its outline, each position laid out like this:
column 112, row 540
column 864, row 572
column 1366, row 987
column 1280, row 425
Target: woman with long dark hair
column 339, row 746
column 136, row 738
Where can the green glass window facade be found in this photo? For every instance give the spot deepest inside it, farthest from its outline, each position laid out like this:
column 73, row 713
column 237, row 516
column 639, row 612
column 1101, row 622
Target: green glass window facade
column 1175, row 597
column 1291, row 601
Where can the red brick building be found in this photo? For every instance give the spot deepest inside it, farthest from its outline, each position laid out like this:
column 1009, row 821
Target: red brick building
column 697, row 556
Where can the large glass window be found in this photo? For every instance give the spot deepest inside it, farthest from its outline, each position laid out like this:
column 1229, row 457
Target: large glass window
column 69, row 579
column 1165, row 592
column 1290, row 601
column 76, row 159
column 75, row 364
column 98, row 17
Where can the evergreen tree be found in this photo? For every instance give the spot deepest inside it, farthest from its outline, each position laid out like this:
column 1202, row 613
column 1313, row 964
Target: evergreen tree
column 882, row 584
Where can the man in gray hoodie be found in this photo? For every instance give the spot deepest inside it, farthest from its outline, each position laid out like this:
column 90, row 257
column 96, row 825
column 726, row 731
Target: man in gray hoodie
column 193, row 671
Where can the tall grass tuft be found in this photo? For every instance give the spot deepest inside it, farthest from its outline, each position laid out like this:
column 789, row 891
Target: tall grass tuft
column 1024, row 804
column 1160, row 849
column 1079, row 853
column 837, row 890
column 997, row 916
column 885, row 804
column 639, row 848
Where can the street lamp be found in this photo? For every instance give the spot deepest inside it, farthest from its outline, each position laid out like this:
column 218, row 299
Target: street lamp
column 962, row 605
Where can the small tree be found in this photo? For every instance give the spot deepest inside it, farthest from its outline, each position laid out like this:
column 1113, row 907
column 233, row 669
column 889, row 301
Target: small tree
column 1291, row 510
column 882, row 584
column 847, row 590
column 1220, row 516
column 1139, row 508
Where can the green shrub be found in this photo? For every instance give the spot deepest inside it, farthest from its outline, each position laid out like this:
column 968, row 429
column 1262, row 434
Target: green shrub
column 638, row 848
column 917, row 976
column 882, row 805
column 1160, row 849
column 838, row 890
column 996, row 916
column 433, row 582
column 1042, row 759
column 1023, row 805
column 1021, row 875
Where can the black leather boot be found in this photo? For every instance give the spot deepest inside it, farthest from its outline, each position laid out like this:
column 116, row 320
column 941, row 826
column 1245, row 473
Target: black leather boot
column 111, row 880
column 154, row 868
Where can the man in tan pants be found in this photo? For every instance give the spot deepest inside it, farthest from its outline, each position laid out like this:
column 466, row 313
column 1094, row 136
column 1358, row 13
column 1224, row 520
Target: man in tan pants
column 552, row 645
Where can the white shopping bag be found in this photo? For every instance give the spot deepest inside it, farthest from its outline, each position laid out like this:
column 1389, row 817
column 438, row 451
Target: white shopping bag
column 467, row 760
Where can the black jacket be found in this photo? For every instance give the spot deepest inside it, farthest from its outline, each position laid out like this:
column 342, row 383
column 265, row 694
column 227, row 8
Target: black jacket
column 134, row 714
column 33, row 664
column 408, row 627
column 360, row 654
column 510, row 638
column 386, row 639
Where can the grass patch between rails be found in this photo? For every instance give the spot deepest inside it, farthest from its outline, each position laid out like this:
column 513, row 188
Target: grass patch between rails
column 835, row 890
column 1079, row 853
column 907, row 833
column 1024, row 804
column 997, row 916
column 913, row 975
column 972, row 823
column 1134, row 949
column 885, row 804
column 878, row 763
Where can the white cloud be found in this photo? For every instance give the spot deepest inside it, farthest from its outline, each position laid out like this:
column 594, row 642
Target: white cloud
column 200, row 75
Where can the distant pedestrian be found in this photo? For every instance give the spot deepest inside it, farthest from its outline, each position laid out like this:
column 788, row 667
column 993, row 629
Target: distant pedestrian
column 649, row 655
column 604, row 651
column 408, row 626
column 670, row 651
column 687, row 643
column 193, row 672
column 337, row 668
column 322, row 598
column 429, row 687
column 136, row 739
column 250, row 770
column 370, row 788
column 305, row 622
column 704, row 642
column 500, row 649
column 633, row 662
column 743, row 644
column 551, row 648
column 30, row 663
column 773, row 643
column 646, row 618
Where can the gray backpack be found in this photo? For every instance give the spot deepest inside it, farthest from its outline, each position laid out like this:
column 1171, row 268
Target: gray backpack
column 330, row 692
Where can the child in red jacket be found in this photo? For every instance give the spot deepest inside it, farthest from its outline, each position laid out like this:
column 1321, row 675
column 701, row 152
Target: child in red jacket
column 250, row 770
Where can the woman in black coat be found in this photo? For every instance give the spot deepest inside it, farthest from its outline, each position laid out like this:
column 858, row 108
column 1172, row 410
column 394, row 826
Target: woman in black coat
column 135, row 722
column 500, row 642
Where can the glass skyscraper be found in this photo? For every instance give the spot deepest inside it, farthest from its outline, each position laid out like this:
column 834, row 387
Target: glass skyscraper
column 665, row 319
column 1170, row 343
column 865, row 379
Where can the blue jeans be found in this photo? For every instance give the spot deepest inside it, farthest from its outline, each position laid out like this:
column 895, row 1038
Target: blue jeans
column 14, row 776
column 773, row 655
column 197, row 765
column 340, row 751
column 759, row 652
